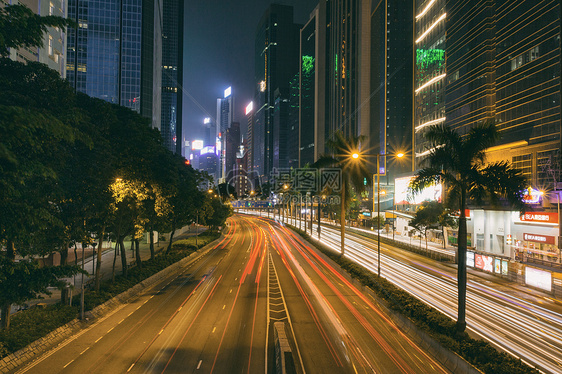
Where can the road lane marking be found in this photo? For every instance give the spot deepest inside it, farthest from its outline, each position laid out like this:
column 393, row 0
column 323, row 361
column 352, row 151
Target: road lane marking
column 199, row 365
column 214, row 328
column 98, row 339
column 130, row 367
column 110, row 329
column 121, row 321
column 64, row 367
column 230, row 290
column 130, row 313
column 224, row 306
column 81, row 353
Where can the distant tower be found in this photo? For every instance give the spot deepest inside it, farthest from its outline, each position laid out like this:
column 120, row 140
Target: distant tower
column 276, row 63
column 225, row 116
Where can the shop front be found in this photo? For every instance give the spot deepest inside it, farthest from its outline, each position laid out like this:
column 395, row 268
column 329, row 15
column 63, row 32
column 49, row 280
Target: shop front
column 535, row 237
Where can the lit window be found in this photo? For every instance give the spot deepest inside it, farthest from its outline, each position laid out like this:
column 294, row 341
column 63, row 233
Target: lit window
column 516, row 62
column 50, row 45
column 51, row 9
column 534, row 53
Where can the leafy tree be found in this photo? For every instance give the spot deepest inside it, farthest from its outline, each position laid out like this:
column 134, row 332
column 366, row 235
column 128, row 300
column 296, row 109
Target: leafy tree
column 20, row 27
column 427, row 217
column 354, row 170
column 459, row 162
column 34, row 136
column 221, row 212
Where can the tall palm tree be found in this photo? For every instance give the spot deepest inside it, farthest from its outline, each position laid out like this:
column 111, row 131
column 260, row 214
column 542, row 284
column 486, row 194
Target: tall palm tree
column 459, row 163
column 353, row 170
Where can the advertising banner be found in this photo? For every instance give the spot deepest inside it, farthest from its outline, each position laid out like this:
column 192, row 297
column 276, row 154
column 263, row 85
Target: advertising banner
column 505, row 267
column 538, row 278
column 484, row 262
column 497, row 265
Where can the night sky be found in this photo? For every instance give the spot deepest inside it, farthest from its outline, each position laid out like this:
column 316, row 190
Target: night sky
column 219, row 52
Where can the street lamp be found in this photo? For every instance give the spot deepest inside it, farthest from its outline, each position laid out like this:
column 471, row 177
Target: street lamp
column 399, row 155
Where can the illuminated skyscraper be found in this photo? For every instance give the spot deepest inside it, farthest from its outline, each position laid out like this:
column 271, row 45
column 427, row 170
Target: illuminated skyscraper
column 276, row 62
column 115, row 53
column 225, row 117
column 430, row 70
column 172, row 73
column 391, row 100
column 508, row 71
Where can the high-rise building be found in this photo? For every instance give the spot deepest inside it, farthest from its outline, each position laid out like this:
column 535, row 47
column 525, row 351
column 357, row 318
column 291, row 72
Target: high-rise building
column 430, row 70
column 225, row 117
column 172, row 73
column 347, row 67
column 312, row 93
column 391, row 100
column 115, row 54
column 232, row 145
column 53, row 51
column 276, row 62
column 503, row 65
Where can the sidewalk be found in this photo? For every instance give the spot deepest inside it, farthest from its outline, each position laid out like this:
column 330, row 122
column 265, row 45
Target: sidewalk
column 106, row 266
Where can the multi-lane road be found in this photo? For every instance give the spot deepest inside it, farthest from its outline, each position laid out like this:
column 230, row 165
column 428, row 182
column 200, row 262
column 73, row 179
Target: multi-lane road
column 527, row 325
column 216, row 315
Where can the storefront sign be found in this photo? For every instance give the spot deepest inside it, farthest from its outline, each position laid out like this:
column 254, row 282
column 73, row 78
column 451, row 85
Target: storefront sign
column 484, row 262
column 532, row 196
column 497, row 265
column 538, row 278
column 470, row 258
column 544, row 217
column 539, row 238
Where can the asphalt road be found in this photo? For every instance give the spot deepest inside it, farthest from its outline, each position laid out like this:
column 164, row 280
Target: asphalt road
column 523, row 323
column 216, row 315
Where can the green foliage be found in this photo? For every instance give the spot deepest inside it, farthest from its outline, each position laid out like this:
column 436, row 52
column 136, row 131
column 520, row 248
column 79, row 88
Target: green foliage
column 188, row 244
column 32, row 324
column 20, row 27
column 25, row 280
column 479, row 353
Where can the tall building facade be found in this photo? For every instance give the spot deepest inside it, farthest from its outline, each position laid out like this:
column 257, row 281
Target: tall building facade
column 348, row 67
column 504, row 65
column 430, row 70
column 53, row 51
column 391, row 100
column 172, row 73
column 276, row 62
column 225, row 117
column 114, row 54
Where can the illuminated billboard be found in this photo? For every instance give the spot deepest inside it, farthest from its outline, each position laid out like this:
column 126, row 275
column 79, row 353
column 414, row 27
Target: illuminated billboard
column 538, row 278
column 249, row 107
column 484, row 262
column 227, row 92
column 218, row 146
column 402, row 194
column 470, row 259
column 197, row 145
column 207, row 149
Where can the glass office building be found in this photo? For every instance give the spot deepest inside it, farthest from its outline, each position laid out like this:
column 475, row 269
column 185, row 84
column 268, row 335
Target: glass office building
column 112, row 54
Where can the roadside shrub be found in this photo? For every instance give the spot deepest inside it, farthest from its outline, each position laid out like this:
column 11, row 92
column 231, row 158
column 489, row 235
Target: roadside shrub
column 33, row 324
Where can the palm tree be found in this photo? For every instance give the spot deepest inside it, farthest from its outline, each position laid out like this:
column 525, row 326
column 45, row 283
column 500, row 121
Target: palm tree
column 459, row 163
column 345, row 155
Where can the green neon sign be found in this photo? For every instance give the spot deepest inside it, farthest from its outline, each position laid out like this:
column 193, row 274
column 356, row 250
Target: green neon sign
column 428, row 57
column 307, row 64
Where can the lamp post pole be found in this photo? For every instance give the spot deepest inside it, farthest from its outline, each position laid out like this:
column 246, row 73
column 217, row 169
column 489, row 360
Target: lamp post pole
column 378, row 216
column 319, row 213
